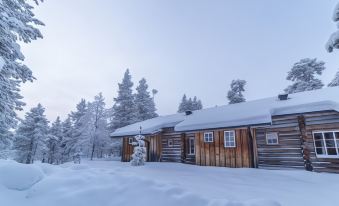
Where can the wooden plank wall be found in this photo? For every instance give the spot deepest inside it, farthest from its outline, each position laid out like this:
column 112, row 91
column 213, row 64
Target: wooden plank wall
column 287, row 154
column 153, row 147
column 328, row 120
column 215, row 153
column 174, row 153
column 127, row 150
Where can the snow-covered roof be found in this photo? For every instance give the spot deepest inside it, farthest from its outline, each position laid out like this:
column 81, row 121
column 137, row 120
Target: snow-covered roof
column 150, row 126
column 255, row 112
column 260, row 111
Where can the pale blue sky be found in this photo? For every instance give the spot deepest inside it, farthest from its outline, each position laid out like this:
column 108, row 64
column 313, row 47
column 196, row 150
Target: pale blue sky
column 192, row 46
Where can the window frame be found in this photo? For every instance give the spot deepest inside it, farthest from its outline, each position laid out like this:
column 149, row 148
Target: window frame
column 130, row 140
column 208, row 138
column 225, row 140
column 324, row 142
column 170, row 142
column 268, row 143
column 189, row 146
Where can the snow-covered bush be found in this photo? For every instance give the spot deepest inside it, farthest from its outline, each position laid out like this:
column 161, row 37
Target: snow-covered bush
column 139, row 151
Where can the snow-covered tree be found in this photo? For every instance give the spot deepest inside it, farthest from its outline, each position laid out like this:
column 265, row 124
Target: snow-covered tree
column 145, row 107
column 17, row 23
column 31, row 134
column 53, row 142
column 335, row 81
column 98, row 125
column 196, row 104
column 124, row 109
column 333, row 41
column 189, row 104
column 67, row 142
column 139, row 151
column 235, row 95
column 303, row 75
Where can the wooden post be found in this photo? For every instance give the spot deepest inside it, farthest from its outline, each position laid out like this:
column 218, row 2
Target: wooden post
column 253, row 144
column 304, row 148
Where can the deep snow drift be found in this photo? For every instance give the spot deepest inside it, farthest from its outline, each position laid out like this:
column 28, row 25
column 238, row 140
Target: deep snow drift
column 110, row 183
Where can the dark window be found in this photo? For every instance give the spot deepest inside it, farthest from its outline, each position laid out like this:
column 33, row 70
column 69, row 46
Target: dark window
column 326, row 143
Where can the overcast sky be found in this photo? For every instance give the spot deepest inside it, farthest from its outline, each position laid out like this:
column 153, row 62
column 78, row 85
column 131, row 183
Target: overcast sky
column 193, row 46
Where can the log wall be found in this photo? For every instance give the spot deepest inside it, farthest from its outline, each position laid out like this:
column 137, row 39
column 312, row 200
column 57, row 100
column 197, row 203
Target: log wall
column 171, row 153
column 215, row 153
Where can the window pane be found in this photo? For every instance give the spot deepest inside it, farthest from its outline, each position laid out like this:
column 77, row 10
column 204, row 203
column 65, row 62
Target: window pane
column 318, row 136
column 331, row 151
column 329, row 139
column 319, row 143
column 320, row 151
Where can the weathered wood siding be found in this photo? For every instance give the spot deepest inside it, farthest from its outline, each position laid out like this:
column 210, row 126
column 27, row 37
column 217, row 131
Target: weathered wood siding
column 321, row 121
column 286, row 154
column 171, row 153
column 215, row 153
column 153, row 147
column 296, row 145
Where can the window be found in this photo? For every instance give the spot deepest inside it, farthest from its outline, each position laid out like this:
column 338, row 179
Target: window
column 208, row 137
column 229, row 138
column 272, row 138
column 191, row 147
column 170, row 142
column 130, row 140
column 326, row 143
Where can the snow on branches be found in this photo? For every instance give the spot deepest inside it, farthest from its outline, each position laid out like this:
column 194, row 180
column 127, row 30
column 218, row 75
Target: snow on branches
column 139, row 151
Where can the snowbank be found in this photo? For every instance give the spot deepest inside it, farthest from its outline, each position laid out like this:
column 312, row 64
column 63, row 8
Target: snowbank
column 17, row 176
column 108, row 183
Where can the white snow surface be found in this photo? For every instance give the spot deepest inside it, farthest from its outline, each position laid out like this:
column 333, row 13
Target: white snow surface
column 249, row 113
column 150, row 126
column 113, row 183
column 260, row 111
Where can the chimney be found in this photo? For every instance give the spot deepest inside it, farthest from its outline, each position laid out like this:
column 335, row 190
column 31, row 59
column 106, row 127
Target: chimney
column 188, row 112
column 283, row 97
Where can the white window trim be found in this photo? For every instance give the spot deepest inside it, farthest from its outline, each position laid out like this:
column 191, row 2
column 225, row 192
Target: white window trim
column 335, row 143
column 267, row 138
column 208, row 139
column 189, row 146
column 130, row 140
column 235, row 144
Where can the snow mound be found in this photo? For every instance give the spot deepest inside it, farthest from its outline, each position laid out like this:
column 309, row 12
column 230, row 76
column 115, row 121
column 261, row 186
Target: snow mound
column 16, row 176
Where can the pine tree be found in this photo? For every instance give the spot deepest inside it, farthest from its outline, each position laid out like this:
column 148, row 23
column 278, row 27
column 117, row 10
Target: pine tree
column 67, row 142
column 183, row 104
column 139, row 151
column 31, row 135
column 144, row 103
column 335, row 81
column 124, row 108
column 98, row 125
column 190, row 104
column 53, row 142
column 333, row 41
column 302, row 74
column 17, row 23
column 235, row 95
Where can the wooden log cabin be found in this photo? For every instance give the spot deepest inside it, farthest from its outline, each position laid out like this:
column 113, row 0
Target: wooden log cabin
column 296, row 131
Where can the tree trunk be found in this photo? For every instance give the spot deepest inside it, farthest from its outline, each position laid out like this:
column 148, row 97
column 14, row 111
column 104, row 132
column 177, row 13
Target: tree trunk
column 92, row 154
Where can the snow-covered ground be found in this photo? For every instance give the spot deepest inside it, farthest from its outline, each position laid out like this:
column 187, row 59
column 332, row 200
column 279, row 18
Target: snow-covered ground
column 110, row 183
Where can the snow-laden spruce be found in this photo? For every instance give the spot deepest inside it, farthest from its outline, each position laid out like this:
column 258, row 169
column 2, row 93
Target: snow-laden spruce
column 99, row 136
column 189, row 105
column 139, row 151
column 144, row 103
column 335, row 81
column 30, row 138
column 17, row 23
column 124, row 108
column 303, row 74
column 235, row 95
column 53, row 142
column 333, row 41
